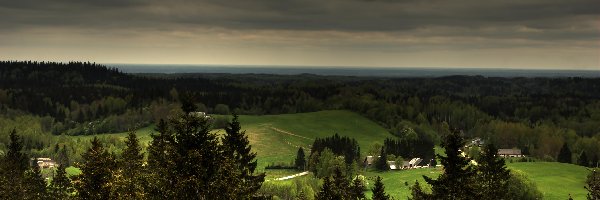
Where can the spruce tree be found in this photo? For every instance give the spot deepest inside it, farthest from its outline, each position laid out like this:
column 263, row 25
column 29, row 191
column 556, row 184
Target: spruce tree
column 35, row 184
column 237, row 147
column 327, row 192
column 13, row 167
column 300, row 162
column 130, row 182
column 457, row 181
column 417, row 192
column 564, row 156
column 96, row 173
column 357, row 189
column 63, row 157
column 61, row 187
column 379, row 190
column 381, row 163
column 160, row 163
column 583, row 160
column 492, row 176
column 341, row 185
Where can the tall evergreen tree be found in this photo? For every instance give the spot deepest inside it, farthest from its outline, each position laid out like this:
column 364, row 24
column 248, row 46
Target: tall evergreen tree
column 341, row 185
column 564, row 156
column 61, row 187
column 457, row 181
column 357, row 189
column 13, row 167
column 130, row 181
column 237, row 147
column 63, row 157
column 327, row 192
column 583, row 160
column 381, row 162
column 492, row 176
column 160, row 178
column 379, row 190
column 35, row 184
column 417, row 192
column 96, row 173
column 300, row 161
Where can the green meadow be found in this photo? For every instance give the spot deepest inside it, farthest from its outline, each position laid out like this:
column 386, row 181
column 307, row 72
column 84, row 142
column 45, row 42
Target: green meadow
column 276, row 138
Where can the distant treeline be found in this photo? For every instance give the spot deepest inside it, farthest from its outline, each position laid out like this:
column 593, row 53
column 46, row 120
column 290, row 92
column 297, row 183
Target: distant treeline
column 537, row 114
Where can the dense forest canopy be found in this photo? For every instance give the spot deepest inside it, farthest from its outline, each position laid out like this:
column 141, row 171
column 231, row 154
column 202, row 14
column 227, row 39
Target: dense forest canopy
column 82, row 98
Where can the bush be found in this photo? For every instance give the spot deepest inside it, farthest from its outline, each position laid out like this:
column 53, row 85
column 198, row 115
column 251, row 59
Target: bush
column 521, row 187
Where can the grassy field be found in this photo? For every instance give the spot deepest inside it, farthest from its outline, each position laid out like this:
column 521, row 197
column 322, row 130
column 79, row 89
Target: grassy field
column 276, row 138
column 555, row 180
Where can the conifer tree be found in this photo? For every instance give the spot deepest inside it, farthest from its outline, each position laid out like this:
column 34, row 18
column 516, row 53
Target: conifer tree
column 583, row 160
column 564, row 156
column 357, row 189
column 61, row 187
column 160, row 163
column 417, row 192
column 341, row 185
column 381, row 163
column 300, row 161
column 327, row 192
column 96, row 173
column 63, row 157
column 379, row 190
column 13, row 167
column 237, row 147
column 130, row 183
column 457, row 181
column 34, row 184
column 492, row 176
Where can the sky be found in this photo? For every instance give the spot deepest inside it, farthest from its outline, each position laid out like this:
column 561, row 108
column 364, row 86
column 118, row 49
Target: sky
column 555, row 34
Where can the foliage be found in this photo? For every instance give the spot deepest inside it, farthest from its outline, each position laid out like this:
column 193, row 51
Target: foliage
column 492, row 177
column 565, row 154
column 341, row 146
column 34, row 184
column 458, row 179
column 12, row 169
column 97, row 168
column 381, row 163
column 379, row 190
column 237, row 148
column 129, row 177
column 300, row 162
column 61, row 186
column 593, row 185
column 521, row 187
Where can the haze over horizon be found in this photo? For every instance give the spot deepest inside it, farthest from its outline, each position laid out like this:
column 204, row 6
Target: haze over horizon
column 524, row 34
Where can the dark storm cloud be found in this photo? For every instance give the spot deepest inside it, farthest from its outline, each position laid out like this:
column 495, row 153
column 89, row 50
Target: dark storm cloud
column 547, row 19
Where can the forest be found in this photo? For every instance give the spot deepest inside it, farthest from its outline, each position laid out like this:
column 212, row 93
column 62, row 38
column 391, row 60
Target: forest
column 538, row 115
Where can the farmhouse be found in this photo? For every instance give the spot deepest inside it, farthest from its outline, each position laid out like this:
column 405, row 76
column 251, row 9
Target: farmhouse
column 43, row 162
column 510, row 152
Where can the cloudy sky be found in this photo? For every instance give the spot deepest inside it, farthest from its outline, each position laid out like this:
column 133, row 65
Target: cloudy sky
column 383, row 33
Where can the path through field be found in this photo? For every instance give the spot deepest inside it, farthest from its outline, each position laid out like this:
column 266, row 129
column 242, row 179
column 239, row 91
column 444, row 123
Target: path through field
column 292, row 176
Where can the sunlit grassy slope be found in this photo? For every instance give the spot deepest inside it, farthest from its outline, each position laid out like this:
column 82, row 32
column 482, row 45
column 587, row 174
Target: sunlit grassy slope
column 276, row 138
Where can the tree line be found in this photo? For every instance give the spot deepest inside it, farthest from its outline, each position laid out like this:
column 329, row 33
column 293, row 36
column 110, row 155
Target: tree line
column 185, row 161
column 539, row 115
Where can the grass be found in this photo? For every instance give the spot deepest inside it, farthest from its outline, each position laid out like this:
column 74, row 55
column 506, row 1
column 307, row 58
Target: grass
column 276, row 138
column 555, row 180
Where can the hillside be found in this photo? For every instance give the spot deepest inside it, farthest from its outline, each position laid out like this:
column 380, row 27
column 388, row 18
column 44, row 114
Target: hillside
column 276, row 138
